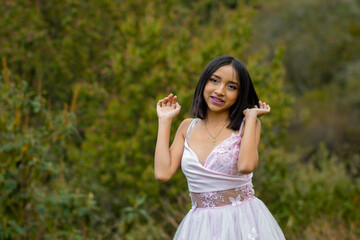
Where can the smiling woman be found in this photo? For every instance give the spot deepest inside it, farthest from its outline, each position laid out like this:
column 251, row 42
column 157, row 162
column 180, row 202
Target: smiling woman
column 236, row 75
column 221, row 91
column 218, row 162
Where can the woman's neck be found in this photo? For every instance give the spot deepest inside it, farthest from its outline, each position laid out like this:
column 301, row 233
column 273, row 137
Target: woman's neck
column 216, row 118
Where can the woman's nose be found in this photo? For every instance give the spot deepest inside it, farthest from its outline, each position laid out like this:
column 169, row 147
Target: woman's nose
column 220, row 90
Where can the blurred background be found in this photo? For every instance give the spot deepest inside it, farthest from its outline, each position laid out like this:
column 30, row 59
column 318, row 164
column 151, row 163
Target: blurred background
column 78, row 90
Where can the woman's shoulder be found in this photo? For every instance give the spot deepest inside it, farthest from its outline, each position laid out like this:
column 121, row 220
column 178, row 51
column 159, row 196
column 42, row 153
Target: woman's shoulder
column 186, row 122
column 184, row 125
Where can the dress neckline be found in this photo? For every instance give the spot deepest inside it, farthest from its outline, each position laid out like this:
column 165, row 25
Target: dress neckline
column 207, row 158
column 188, row 135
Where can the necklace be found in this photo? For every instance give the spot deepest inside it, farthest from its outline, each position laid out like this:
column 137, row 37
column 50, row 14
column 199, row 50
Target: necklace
column 213, row 140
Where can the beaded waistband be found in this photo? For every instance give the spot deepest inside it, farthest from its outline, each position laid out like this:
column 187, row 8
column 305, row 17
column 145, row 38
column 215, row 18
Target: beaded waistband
column 221, row 198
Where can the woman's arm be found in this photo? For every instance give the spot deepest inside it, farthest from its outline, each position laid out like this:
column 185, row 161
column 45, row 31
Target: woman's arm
column 167, row 161
column 248, row 154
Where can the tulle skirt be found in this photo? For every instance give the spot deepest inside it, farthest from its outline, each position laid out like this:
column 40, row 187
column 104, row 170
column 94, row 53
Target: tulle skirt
column 249, row 220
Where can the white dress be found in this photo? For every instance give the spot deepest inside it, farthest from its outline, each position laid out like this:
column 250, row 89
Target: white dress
column 223, row 203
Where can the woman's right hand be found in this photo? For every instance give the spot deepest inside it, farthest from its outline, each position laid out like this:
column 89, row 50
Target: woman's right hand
column 168, row 108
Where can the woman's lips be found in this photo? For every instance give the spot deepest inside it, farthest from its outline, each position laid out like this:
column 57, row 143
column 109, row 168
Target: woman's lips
column 216, row 100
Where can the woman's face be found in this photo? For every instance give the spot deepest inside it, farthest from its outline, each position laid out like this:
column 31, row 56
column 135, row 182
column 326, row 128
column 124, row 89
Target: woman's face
column 222, row 89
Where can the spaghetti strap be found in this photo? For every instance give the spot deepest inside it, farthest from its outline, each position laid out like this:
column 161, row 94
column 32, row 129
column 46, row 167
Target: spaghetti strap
column 241, row 126
column 190, row 129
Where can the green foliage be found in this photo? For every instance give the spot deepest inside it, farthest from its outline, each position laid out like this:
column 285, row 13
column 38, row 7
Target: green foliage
column 322, row 66
column 316, row 191
column 86, row 171
column 36, row 199
column 322, row 70
column 321, row 38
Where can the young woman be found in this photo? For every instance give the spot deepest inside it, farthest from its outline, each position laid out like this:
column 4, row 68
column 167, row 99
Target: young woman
column 217, row 152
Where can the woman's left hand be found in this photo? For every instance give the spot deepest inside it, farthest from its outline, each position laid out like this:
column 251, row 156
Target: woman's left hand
column 256, row 111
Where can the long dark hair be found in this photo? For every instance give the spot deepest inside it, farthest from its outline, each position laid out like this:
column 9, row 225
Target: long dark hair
column 247, row 96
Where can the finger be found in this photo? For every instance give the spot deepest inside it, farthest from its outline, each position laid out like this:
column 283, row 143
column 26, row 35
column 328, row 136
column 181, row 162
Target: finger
column 170, row 97
column 166, row 101
column 174, row 101
column 178, row 105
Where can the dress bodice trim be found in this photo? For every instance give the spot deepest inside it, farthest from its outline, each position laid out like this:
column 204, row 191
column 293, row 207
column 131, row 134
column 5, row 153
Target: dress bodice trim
column 220, row 169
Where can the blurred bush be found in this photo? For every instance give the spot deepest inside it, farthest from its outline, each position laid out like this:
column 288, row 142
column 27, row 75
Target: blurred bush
column 37, row 199
column 85, row 171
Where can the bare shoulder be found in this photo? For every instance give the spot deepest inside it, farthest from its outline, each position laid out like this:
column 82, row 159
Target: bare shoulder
column 184, row 126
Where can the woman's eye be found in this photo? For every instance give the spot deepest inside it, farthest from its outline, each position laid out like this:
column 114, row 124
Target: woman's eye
column 213, row 80
column 233, row 87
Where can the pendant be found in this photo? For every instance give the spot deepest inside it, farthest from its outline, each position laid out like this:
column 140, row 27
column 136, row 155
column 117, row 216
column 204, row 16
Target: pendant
column 213, row 142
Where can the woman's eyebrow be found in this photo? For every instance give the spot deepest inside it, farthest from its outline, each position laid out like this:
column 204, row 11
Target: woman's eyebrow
column 229, row 81
column 216, row 76
column 234, row 83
